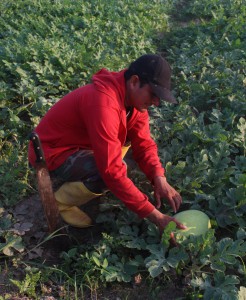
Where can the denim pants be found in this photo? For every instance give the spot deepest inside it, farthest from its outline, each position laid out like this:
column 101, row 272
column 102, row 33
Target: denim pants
column 80, row 166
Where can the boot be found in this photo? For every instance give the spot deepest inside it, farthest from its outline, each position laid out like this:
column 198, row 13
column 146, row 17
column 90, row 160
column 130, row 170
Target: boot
column 71, row 195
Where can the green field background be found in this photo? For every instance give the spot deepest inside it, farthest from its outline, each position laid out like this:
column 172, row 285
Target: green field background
column 48, row 48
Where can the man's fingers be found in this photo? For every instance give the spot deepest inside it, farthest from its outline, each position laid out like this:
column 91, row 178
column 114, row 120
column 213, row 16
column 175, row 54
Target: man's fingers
column 173, row 205
column 172, row 240
column 180, row 225
column 177, row 200
column 158, row 204
column 158, row 201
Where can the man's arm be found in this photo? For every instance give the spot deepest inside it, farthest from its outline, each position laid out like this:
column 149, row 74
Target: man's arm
column 144, row 148
column 147, row 157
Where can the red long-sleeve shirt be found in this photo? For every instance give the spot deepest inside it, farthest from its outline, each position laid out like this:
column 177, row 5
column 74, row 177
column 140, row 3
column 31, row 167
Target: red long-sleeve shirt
column 94, row 117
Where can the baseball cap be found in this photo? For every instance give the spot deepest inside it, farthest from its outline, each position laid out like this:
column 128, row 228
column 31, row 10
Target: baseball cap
column 154, row 70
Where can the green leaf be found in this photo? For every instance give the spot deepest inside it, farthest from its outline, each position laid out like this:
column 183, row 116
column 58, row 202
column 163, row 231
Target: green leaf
column 176, row 256
column 97, row 261
column 129, row 231
column 217, row 264
column 156, row 262
column 222, row 287
column 155, row 267
column 12, row 242
column 136, row 243
column 241, row 234
column 105, row 263
column 165, row 238
column 130, row 268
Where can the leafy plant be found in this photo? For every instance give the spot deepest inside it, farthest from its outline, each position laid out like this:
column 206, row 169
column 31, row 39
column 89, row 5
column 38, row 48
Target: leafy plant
column 28, row 285
column 48, row 48
column 9, row 243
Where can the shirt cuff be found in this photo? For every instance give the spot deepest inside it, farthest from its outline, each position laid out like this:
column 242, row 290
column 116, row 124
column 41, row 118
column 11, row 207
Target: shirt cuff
column 146, row 210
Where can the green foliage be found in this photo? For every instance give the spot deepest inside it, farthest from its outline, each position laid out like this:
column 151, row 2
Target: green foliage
column 205, row 158
column 222, row 288
column 184, row 10
column 10, row 242
column 209, row 57
column 201, row 260
column 28, row 285
column 13, row 172
column 48, row 48
column 51, row 48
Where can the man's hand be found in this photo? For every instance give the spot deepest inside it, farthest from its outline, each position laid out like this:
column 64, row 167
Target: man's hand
column 161, row 221
column 162, row 189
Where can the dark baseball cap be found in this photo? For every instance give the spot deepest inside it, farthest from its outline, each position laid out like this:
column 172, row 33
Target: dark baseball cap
column 154, row 70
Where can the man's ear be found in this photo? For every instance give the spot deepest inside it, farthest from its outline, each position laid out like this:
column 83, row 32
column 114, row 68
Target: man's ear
column 134, row 81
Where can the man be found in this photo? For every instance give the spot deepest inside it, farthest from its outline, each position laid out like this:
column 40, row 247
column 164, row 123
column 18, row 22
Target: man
column 86, row 134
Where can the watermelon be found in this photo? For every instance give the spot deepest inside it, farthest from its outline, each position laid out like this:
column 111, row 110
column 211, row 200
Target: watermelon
column 197, row 222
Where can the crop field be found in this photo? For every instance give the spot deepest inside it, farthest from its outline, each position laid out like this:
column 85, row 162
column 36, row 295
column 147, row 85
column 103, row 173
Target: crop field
column 48, row 48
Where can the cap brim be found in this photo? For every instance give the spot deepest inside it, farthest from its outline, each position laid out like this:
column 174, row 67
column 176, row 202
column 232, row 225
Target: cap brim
column 163, row 93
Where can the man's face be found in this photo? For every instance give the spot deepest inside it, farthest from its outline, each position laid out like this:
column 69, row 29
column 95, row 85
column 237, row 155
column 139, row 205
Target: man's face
column 140, row 97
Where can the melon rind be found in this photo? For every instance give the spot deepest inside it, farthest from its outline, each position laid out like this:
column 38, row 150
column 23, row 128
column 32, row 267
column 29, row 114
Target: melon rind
column 197, row 222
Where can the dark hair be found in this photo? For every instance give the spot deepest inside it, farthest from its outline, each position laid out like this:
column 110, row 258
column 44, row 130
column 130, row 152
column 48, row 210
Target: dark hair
column 129, row 73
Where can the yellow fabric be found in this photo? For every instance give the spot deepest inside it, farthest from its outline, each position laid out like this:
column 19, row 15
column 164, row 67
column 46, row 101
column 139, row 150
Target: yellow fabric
column 74, row 216
column 124, row 150
column 68, row 197
column 74, row 193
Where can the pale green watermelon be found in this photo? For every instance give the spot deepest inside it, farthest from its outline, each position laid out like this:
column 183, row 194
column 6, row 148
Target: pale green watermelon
column 196, row 221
